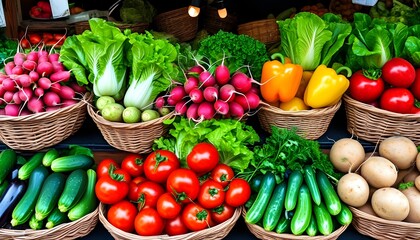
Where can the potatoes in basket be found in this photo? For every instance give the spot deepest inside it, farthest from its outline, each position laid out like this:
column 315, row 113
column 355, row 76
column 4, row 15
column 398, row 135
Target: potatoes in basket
column 400, row 150
column 379, row 172
column 390, row 203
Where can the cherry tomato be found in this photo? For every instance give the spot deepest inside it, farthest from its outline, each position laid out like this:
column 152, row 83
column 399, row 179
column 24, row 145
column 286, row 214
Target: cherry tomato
column 124, row 173
column 211, row 194
column 167, row 206
column 195, row 217
column 133, row 164
column 222, row 213
column 203, row 158
column 109, row 190
column 148, row 222
column 148, row 194
column 159, row 164
column 364, row 88
column 238, row 193
column 175, row 226
column 398, row 72
column 184, row 184
column 222, row 174
column 104, row 165
column 415, row 87
column 122, row 214
column 133, row 194
column 399, row 100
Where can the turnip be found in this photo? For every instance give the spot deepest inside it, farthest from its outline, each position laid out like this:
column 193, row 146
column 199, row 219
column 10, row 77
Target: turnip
column 205, row 111
column 29, row 65
column 192, row 111
column 131, row 115
column 227, row 93
column 44, row 68
column 206, row 79
column 236, row 110
column 11, row 110
column 190, row 84
column 177, row 93
column 196, row 95
column 51, row 99
column 241, row 82
column 34, row 76
column 44, row 83
column 347, row 154
column 66, row 92
column 9, row 67
column 19, row 58
column 222, row 74
column 210, row 94
column 35, row 105
column 181, row 107
column 221, row 107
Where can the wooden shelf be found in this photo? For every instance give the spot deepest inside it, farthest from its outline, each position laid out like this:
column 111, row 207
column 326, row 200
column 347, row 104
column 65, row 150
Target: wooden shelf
column 40, row 25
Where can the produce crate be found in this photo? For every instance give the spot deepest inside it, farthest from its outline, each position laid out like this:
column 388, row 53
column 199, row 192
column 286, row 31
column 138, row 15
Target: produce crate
column 266, row 30
column 178, row 23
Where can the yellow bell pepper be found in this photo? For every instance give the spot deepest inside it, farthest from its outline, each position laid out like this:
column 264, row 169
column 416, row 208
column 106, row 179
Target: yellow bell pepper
column 296, row 104
column 326, row 87
column 280, row 82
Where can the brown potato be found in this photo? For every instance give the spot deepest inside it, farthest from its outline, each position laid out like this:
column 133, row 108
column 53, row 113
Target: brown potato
column 379, row 172
column 353, row 189
column 400, row 150
column 390, row 203
column 413, row 196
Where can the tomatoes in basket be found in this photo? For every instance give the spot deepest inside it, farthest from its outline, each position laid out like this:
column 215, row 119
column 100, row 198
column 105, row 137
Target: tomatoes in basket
column 211, row 194
column 399, row 100
column 148, row 194
column 398, row 72
column 122, row 214
column 111, row 189
column 222, row 213
column 159, row 164
column 133, row 191
column 167, row 206
column 175, row 226
column 149, row 223
column 222, row 174
column 366, row 88
column 415, row 87
column 238, row 193
column 104, row 166
column 195, row 217
column 133, row 164
column 203, row 157
column 184, row 184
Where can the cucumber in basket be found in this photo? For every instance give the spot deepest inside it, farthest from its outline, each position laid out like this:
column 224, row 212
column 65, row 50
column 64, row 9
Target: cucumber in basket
column 71, row 163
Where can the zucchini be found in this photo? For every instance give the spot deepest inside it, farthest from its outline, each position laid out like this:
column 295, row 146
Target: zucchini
column 7, row 161
column 35, row 224
column 284, row 225
column 3, row 187
column 323, row 219
column 25, row 208
column 310, row 180
column 55, row 218
column 312, row 229
column 328, row 193
column 50, row 192
column 27, row 168
column 9, row 199
column 256, row 212
column 50, row 156
column 89, row 202
column 345, row 216
column 294, row 183
column 275, row 207
column 73, row 191
column 71, row 163
column 302, row 215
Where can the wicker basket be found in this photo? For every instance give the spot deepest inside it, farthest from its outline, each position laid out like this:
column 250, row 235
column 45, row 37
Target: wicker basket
column 261, row 233
column 219, row 231
column 380, row 228
column 130, row 137
column 374, row 124
column 266, row 30
column 80, row 27
column 213, row 23
column 37, row 131
column 311, row 124
column 178, row 23
column 66, row 231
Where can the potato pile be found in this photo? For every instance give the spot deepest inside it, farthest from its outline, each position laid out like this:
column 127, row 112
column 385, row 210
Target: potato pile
column 385, row 184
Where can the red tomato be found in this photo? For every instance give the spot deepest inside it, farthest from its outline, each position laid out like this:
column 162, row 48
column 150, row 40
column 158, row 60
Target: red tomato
column 175, row 226
column 125, row 175
column 149, row 223
column 415, row 87
column 365, row 89
column 133, row 164
column 24, row 43
column 211, row 194
column 104, row 165
column 203, row 158
column 133, row 194
column 47, row 36
column 415, row 110
column 238, row 193
column 148, row 194
column 159, row 164
column 195, row 217
column 222, row 213
column 184, row 184
column 398, row 72
column 122, row 214
column 34, row 38
column 222, row 173
column 167, row 206
column 399, row 100
column 110, row 191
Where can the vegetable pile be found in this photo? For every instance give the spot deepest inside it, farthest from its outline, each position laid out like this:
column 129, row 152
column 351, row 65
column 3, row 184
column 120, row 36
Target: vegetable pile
column 48, row 189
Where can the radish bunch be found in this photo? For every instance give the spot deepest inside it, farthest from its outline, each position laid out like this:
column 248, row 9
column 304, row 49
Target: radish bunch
column 205, row 95
column 36, row 82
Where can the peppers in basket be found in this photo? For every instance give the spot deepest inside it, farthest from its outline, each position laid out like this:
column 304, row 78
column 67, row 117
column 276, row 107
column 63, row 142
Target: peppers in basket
column 280, row 82
column 326, row 86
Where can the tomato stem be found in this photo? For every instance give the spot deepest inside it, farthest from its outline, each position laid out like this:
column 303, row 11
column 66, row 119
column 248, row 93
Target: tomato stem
column 373, row 74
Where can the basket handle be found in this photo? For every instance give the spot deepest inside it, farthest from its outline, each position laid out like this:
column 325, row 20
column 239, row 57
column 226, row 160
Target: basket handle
column 113, row 7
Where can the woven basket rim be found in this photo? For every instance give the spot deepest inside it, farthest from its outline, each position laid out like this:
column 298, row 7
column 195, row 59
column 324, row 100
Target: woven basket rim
column 192, row 235
column 303, row 113
column 268, row 20
column 360, row 214
column 170, row 12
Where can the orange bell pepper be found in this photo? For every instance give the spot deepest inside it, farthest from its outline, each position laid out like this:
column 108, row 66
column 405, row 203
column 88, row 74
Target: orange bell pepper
column 280, row 82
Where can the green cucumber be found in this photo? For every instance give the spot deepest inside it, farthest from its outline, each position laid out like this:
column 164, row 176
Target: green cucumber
column 3, row 186
column 255, row 182
column 345, row 216
column 50, row 192
column 27, row 168
column 294, row 183
column 74, row 189
column 310, row 180
column 35, row 224
column 49, row 157
column 71, row 163
column 284, row 225
column 25, row 208
column 312, row 229
column 323, row 219
column 55, row 218
column 89, row 202
column 275, row 207
column 328, row 193
column 7, row 162
column 302, row 215
column 256, row 212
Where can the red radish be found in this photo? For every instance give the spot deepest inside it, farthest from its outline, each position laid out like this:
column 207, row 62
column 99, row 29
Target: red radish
column 29, row 65
column 62, row 76
column 24, row 80
column 171, row 101
column 58, row 66
column 66, row 92
column 50, row 109
column 255, row 90
column 19, row 58
column 32, row 56
column 192, row 111
column 11, row 110
column 43, row 53
column 68, row 102
column 177, row 93
column 196, row 95
column 53, row 57
column 236, row 110
column 190, row 84
column 77, row 88
column 17, row 70
column 195, row 70
column 51, row 99
column 44, row 83
column 205, row 111
column 160, row 102
column 24, row 112
column 221, row 107
column 9, row 67
column 35, row 105
column 241, row 82
column 16, row 98
column 181, row 107
column 222, row 75
column 55, row 87
column 2, row 111
column 9, row 85
column 206, row 79
column 210, row 94
column 39, row 92
column 248, row 101
column 42, row 59
column 44, row 68
column 34, row 76
column 25, row 94
column 8, row 96
column 227, row 93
